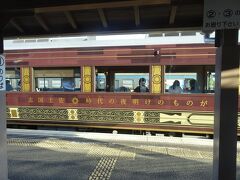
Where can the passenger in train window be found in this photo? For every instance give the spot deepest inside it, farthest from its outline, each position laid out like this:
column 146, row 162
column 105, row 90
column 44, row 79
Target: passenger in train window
column 142, row 86
column 193, row 86
column 8, row 86
column 68, row 84
column 175, row 88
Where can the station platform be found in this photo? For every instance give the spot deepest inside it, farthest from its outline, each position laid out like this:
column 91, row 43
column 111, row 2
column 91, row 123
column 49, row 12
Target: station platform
column 65, row 155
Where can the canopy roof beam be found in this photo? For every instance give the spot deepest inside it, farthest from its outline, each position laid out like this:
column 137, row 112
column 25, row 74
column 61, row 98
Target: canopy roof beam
column 88, row 6
column 137, row 15
column 16, row 25
column 102, row 17
column 172, row 16
column 70, row 19
column 42, row 23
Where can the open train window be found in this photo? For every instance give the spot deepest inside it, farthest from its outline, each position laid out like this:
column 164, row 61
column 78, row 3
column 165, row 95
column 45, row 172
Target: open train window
column 189, row 79
column 13, row 78
column 57, row 79
column 210, row 82
column 120, row 78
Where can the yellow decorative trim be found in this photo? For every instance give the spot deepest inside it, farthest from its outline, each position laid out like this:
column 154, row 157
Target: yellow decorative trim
column 138, row 116
column 14, row 113
column 156, row 79
column 72, row 114
column 75, row 100
column 87, row 79
column 26, row 81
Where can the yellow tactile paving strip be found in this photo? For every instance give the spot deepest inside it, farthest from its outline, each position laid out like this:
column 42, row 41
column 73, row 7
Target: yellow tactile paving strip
column 104, row 168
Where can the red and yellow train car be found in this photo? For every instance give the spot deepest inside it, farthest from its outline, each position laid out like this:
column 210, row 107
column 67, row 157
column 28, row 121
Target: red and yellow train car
column 94, row 87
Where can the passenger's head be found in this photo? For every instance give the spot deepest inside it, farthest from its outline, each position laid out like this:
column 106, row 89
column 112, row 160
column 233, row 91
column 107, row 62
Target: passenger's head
column 142, row 82
column 192, row 83
column 7, row 82
column 176, row 83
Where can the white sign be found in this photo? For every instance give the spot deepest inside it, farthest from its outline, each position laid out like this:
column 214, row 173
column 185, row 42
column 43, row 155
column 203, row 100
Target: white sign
column 2, row 74
column 221, row 14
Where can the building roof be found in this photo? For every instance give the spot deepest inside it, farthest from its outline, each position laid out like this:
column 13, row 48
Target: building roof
column 57, row 17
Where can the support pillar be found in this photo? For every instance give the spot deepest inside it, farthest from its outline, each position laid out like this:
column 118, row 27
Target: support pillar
column 226, row 105
column 3, row 136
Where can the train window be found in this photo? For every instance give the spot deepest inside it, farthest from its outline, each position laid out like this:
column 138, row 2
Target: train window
column 210, row 82
column 13, row 78
column 55, row 79
column 129, row 83
column 182, row 78
column 100, row 82
column 189, row 79
column 45, row 84
column 121, row 79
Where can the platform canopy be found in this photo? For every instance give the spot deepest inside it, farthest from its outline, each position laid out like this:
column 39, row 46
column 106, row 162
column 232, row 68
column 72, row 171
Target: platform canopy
column 57, row 17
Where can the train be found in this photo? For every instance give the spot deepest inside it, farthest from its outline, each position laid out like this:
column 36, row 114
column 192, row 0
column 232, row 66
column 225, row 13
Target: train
column 94, row 88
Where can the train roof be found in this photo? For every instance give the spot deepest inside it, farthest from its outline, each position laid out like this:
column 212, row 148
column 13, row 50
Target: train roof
column 106, row 41
column 160, row 38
